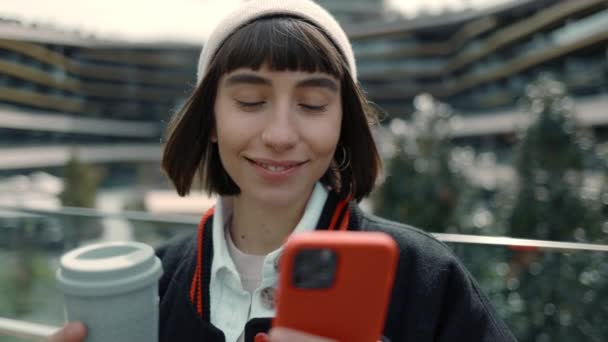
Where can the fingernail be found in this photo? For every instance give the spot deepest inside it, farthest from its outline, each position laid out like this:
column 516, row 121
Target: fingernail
column 261, row 337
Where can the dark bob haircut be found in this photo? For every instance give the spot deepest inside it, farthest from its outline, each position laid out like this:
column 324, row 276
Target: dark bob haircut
column 282, row 43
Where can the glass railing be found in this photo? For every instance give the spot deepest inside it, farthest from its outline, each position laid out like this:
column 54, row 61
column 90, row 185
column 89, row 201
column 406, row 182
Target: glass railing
column 545, row 290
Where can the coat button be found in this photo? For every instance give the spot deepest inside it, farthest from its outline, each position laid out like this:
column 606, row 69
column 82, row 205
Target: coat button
column 268, row 297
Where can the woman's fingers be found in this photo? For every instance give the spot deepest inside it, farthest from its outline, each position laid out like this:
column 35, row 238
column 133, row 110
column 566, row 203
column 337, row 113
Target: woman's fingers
column 71, row 332
column 283, row 335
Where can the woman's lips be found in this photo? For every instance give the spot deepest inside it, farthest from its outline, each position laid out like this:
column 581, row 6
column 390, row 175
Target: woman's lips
column 276, row 166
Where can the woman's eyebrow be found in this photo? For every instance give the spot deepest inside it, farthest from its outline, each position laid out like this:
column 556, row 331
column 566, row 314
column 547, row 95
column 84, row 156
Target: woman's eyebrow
column 322, row 82
column 247, row 79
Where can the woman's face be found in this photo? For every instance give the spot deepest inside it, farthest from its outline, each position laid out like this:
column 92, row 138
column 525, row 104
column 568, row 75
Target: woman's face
column 277, row 131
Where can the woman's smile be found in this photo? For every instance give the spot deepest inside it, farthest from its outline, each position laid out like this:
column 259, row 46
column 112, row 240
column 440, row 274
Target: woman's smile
column 275, row 165
column 276, row 170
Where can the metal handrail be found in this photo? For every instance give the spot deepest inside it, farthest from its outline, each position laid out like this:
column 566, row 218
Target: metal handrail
column 96, row 213
column 513, row 242
column 190, row 219
column 26, row 330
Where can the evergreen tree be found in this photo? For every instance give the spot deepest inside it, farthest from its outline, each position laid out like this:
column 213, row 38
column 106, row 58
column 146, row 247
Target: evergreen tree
column 80, row 190
column 550, row 164
column 602, row 197
column 547, row 288
column 544, row 295
column 80, row 184
column 422, row 187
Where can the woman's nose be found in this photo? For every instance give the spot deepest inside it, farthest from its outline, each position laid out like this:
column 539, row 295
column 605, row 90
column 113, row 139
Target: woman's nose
column 280, row 132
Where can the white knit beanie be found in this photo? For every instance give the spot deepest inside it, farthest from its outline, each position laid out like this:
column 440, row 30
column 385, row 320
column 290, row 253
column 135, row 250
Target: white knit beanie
column 251, row 10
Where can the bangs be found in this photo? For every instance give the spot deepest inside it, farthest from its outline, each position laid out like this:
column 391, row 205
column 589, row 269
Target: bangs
column 282, row 43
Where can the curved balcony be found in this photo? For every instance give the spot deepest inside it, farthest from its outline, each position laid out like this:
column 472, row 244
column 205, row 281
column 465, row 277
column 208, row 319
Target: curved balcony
column 462, row 52
column 14, row 158
column 49, row 122
column 125, row 68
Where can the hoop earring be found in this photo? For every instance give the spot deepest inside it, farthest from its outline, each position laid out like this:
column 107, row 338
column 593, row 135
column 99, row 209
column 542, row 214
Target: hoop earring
column 344, row 164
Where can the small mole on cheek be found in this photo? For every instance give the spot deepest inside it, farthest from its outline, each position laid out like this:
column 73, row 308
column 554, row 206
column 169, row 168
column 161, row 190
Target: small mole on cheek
column 242, row 237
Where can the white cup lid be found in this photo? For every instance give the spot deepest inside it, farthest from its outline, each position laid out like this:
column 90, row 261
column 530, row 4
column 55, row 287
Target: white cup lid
column 108, row 268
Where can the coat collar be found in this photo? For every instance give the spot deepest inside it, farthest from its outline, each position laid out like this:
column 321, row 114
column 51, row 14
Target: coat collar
column 335, row 214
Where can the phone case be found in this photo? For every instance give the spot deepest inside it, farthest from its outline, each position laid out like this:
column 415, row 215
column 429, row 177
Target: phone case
column 354, row 307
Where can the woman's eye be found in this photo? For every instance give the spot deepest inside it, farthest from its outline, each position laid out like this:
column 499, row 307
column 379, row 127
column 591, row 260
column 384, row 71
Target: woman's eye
column 249, row 105
column 313, row 108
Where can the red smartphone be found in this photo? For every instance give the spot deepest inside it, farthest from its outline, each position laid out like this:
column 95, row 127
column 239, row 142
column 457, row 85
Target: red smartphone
column 336, row 284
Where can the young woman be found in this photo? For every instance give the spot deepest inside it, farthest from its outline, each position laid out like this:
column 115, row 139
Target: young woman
column 278, row 127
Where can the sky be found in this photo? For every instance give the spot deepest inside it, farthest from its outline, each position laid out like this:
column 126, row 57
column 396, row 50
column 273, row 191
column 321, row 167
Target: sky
column 154, row 20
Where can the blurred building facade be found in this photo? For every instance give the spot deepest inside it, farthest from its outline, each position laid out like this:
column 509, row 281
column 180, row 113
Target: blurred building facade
column 64, row 93
column 356, row 12
column 479, row 62
column 61, row 90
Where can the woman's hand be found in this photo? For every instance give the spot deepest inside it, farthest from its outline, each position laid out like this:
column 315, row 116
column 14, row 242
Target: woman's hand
column 283, row 334
column 71, row 332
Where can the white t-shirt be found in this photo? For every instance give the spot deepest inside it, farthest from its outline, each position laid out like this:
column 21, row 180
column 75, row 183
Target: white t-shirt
column 249, row 267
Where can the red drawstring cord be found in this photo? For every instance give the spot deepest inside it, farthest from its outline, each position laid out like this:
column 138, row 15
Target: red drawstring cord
column 196, row 291
column 344, row 224
column 334, row 220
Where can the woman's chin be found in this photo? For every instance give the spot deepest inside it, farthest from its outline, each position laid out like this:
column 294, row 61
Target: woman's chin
column 279, row 198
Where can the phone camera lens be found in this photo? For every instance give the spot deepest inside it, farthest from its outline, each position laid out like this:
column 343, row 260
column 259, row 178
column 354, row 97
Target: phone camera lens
column 314, row 268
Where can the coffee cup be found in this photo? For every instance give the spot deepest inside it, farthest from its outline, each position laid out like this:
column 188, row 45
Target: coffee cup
column 113, row 289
